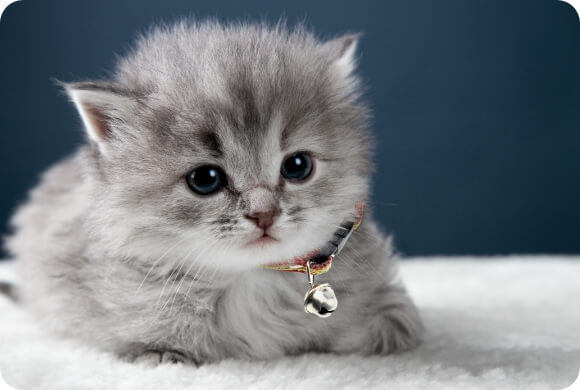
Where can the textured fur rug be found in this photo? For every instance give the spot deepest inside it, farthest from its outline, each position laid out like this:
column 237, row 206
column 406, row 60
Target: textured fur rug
column 501, row 323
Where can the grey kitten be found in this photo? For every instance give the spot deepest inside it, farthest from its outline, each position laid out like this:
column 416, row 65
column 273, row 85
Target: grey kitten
column 214, row 149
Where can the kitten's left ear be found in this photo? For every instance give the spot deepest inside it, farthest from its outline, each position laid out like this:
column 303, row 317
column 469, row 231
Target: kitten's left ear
column 343, row 52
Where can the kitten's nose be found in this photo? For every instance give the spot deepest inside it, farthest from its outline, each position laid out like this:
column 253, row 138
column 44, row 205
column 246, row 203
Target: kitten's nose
column 261, row 206
column 263, row 219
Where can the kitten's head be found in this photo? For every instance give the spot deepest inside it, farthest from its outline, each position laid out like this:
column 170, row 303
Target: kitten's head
column 225, row 146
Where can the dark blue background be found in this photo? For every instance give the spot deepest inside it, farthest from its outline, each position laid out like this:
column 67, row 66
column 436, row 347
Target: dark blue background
column 477, row 106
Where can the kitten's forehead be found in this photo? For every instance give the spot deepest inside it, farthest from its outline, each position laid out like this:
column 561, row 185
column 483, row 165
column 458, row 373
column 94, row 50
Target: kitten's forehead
column 246, row 97
column 242, row 73
column 247, row 118
column 256, row 150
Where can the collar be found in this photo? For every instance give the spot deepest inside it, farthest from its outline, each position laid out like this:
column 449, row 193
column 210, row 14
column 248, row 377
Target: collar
column 320, row 260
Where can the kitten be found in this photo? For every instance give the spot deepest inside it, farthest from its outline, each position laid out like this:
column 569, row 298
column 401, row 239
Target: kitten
column 214, row 149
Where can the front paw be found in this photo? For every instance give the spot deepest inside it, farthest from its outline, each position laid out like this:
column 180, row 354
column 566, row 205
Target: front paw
column 155, row 357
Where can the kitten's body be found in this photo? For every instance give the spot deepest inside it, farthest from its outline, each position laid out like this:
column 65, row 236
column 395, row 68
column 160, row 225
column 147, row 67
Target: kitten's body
column 116, row 250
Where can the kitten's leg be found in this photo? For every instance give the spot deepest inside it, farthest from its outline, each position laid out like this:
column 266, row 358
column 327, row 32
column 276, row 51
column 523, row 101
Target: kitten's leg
column 379, row 320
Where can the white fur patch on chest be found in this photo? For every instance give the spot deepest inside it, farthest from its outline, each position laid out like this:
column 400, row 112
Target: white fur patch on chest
column 265, row 309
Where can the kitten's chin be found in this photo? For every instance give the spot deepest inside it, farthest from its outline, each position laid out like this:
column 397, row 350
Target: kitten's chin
column 266, row 250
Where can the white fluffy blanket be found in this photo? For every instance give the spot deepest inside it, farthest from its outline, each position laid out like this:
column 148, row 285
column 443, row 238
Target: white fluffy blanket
column 501, row 323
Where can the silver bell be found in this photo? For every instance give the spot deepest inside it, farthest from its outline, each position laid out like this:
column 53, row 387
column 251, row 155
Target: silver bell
column 320, row 300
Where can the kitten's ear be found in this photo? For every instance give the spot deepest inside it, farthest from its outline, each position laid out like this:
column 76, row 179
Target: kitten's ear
column 343, row 52
column 100, row 106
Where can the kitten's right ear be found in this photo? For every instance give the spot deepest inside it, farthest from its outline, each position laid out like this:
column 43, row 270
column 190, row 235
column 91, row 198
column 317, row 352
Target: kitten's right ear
column 100, row 106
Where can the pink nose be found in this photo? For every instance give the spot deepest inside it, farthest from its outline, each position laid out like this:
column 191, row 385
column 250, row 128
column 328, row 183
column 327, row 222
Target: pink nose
column 263, row 219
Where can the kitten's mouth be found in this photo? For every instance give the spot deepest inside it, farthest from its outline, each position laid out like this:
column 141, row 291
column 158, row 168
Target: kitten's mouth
column 265, row 239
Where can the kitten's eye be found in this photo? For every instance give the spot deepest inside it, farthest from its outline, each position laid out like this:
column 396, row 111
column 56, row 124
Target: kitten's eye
column 206, row 179
column 297, row 167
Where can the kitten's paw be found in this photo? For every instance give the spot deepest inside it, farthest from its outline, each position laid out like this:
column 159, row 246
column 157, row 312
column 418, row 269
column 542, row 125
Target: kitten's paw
column 153, row 357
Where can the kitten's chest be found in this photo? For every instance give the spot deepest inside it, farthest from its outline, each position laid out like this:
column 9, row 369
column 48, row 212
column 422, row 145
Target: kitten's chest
column 265, row 293
column 265, row 309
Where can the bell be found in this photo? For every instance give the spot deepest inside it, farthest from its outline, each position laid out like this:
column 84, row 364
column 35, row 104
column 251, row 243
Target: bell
column 320, row 300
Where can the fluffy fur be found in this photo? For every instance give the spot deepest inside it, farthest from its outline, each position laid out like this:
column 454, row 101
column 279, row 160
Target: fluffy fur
column 114, row 248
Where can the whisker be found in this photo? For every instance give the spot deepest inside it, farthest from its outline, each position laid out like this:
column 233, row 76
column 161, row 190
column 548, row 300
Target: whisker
column 193, row 263
column 158, row 260
column 184, row 260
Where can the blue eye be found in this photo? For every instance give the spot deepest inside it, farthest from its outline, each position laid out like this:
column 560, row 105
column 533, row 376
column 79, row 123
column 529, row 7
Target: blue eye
column 297, row 167
column 206, row 179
